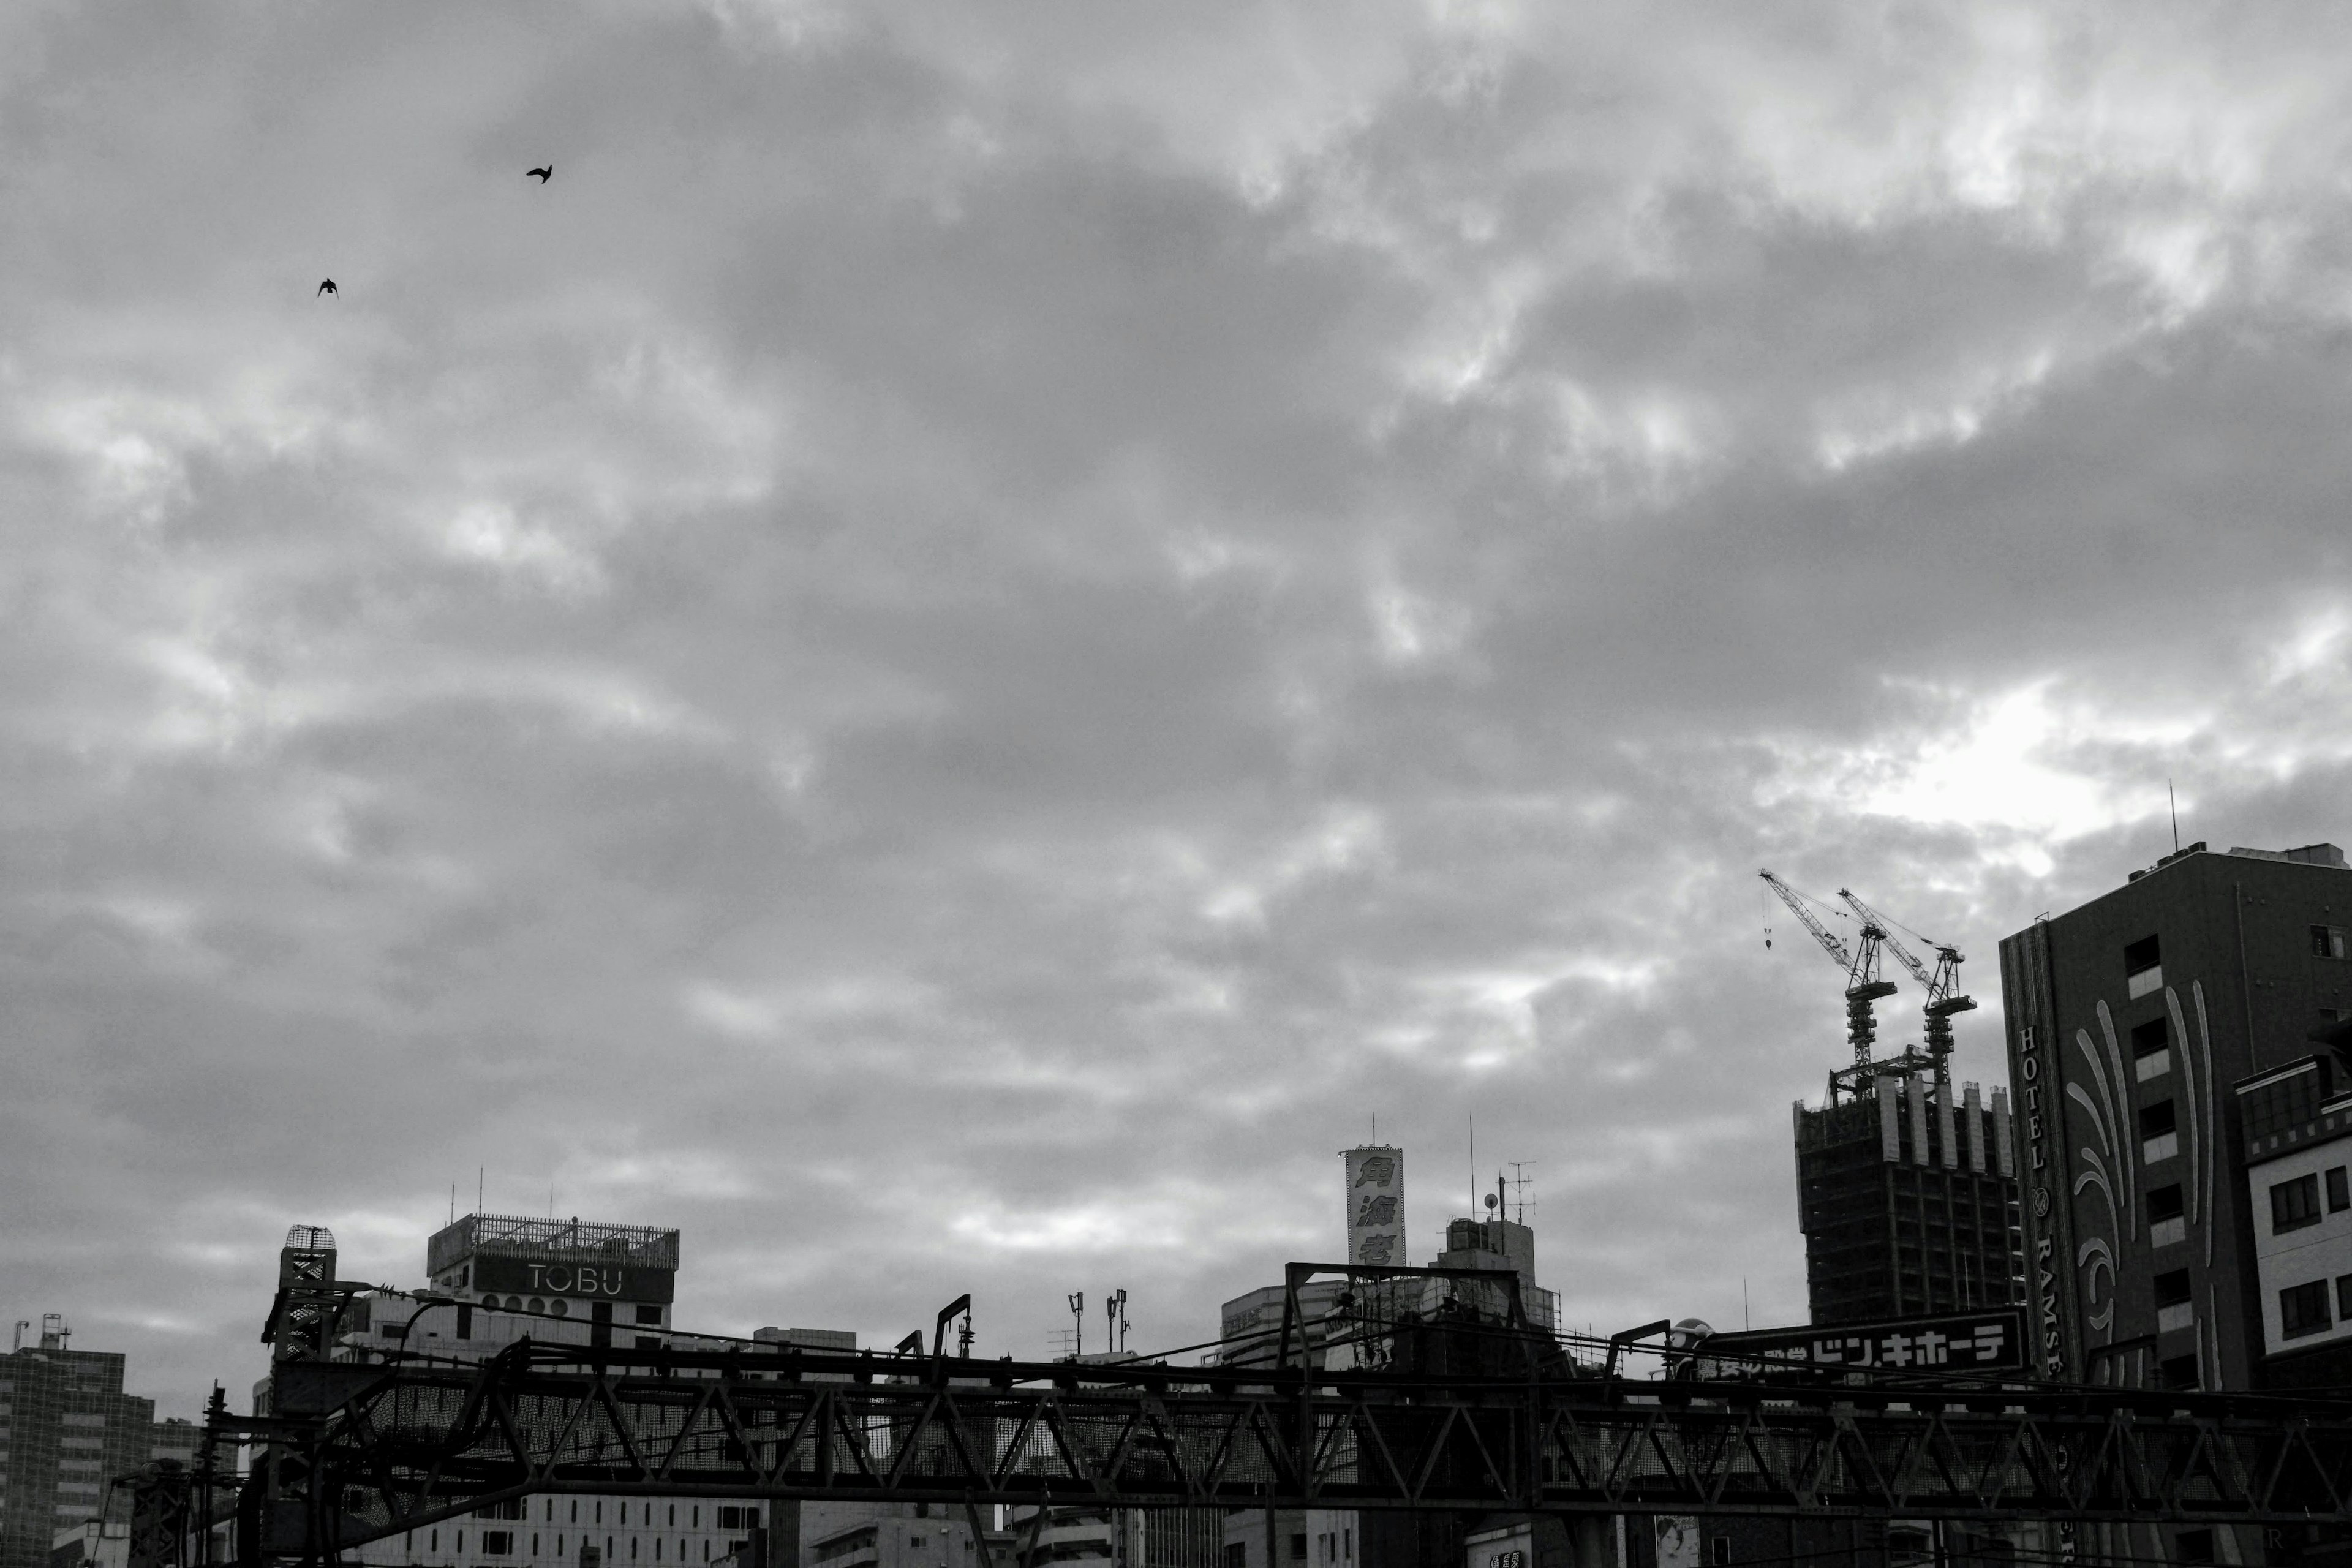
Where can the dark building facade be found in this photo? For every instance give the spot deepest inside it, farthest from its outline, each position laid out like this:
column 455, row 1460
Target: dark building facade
column 67, row 1430
column 2130, row 1020
column 1907, row 1198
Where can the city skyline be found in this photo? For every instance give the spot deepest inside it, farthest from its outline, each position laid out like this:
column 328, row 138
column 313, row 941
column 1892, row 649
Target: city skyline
column 966, row 643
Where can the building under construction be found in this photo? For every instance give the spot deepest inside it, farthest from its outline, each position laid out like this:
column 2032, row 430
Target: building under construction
column 1908, row 1202
column 1907, row 1190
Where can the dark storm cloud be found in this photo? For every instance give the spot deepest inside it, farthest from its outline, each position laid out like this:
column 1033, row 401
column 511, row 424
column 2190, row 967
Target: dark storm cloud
column 972, row 639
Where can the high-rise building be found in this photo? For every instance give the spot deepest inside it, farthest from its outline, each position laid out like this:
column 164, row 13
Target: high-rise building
column 67, row 1430
column 1907, row 1198
column 2132, row 1020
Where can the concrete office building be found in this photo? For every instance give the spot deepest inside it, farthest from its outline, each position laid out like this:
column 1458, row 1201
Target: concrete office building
column 2132, row 1022
column 1907, row 1198
column 916, row 1537
column 2295, row 1133
column 1302, row 1538
column 67, row 1430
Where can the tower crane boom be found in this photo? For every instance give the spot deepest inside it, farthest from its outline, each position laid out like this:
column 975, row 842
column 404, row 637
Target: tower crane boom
column 1863, row 986
column 1830, row 942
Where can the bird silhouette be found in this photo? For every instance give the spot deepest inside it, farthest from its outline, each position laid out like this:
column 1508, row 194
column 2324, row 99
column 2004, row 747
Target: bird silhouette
column 544, row 174
column 328, row 286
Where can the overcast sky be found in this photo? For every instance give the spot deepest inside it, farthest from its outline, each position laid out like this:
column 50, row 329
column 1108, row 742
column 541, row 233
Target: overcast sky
column 984, row 630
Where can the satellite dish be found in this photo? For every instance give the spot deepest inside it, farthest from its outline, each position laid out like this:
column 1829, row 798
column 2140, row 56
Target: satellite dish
column 1490, row 1200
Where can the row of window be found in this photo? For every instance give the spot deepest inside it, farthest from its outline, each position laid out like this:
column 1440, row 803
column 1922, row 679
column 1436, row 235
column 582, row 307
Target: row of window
column 2296, row 1203
column 2147, row 953
column 730, row 1516
column 506, row 1543
column 2302, row 1308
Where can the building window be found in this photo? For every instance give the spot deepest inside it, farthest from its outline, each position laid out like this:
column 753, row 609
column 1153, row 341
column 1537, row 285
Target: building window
column 2344, row 1295
column 2302, row 1310
column 1237, row 1554
column 2143, row 968
column 2157, row 1139
column 2178, row 1372
column 2151, row 1050
column 1718, row 1549
column 649, row 1314
column 2295, row 1203
column 2339, row 1190
column 2327, row 942
column 2166, row 1226
column 2172, row 1287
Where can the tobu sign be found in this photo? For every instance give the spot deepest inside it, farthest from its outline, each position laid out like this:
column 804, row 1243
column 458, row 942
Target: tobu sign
column 583, row 1279
column 1375, row 1199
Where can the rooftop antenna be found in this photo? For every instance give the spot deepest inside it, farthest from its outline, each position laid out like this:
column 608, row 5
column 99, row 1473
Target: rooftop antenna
column 1079, row 1317
column 1520, row 1182
column 453, row 1202
column 2175, row 806
column 1471, row 1117
column 480, row 1173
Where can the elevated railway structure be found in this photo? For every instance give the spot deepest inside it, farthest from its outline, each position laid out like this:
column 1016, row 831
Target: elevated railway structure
column 353, row 1450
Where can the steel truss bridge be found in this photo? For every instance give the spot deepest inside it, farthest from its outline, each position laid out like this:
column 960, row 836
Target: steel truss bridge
column 393, row 1448
column 354, row 1450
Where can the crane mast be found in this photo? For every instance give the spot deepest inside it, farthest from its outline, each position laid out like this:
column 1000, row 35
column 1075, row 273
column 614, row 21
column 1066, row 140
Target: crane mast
column 1863, row 985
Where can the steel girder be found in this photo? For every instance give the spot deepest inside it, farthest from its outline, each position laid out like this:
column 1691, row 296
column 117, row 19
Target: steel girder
column 397, row 1447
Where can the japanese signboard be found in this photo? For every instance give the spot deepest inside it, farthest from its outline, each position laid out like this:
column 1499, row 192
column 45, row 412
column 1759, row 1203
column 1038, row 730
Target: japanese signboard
column 1991, row 1339
column 1375, row 1199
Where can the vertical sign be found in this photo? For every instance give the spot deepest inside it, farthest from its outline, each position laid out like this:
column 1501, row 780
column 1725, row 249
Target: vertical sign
column 1375, row 1205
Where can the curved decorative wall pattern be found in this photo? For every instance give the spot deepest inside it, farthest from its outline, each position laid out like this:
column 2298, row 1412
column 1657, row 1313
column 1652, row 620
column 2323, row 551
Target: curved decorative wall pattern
column 2096, row 1254
column 2212, row 1119
column 2126, row 1135
column 2092, row 1256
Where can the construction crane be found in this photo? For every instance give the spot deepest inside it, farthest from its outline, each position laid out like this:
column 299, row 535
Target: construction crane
column 1863, row 985
column 1942, row 985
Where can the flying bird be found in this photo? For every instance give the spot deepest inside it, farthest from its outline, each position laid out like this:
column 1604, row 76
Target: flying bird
column 544, row 174
column 327, row 287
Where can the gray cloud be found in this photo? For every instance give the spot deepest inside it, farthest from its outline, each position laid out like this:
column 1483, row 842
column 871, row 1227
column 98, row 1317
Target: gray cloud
column 974, row 638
